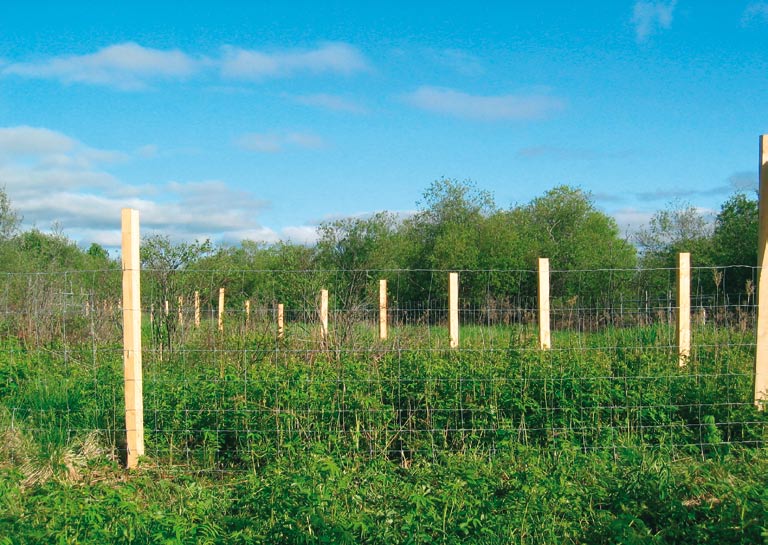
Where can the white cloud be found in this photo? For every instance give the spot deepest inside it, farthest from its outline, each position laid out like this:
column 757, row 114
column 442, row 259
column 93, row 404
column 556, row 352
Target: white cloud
column 337, row 58
column 52, row 178
column 217, row 201
column 126, row 66
column 755, row 10
column 744, row 181
column 260, row 234
column 33, row 140
column 130, row 66
column 649, row 17
column 486, row 108
column 631, row 220
column 301, row 234
column 331, row 102
column 671, row 193
column 277, row 142
column 32, row 157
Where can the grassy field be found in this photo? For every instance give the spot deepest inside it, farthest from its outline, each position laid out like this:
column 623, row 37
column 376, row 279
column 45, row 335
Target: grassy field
column 604, row 439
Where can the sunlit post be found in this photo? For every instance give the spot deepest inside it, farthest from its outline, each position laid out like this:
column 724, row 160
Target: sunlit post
column 545, row 342
column 134, row 404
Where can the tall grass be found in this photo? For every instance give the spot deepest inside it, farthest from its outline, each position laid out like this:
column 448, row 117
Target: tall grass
column 254, row 439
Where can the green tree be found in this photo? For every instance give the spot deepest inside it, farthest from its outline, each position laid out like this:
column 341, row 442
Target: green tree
column 163, row 262
column 266, row 274
column 356, row 251
column 734, row 242
column 565, row 226
column 358, row 243
column 680, row 227
column 98, row 252
column 445, row 235
column 448, row 223
column 10, row 219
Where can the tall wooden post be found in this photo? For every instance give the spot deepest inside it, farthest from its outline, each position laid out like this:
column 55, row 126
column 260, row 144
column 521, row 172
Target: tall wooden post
column 197, row 308
column 324, row 314
column 684, row 307
column 382, row 309
column 761, row 351
column 181, row 311
column 280, row 320
column 221, row 309
column 545, row 341
column 166, row 308
column 453, row 309
column 134, row 404
column 247, row 313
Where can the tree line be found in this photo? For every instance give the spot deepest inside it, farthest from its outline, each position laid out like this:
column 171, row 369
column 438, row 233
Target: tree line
column 457, row 226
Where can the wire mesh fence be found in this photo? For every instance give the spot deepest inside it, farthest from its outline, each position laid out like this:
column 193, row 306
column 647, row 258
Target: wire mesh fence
column 239, row 368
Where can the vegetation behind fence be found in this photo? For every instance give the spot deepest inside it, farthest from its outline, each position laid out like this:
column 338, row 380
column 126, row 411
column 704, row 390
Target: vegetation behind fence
column 225, row 388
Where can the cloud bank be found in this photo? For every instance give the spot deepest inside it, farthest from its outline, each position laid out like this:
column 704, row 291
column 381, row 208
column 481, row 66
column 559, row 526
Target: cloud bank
column 52, row 177
column 335, row 58
column 130, row 67
column 126, row 66
column 484, row 108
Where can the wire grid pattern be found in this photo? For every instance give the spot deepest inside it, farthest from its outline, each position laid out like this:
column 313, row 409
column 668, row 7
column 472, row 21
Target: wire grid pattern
column 60, row 362
column 227, row 391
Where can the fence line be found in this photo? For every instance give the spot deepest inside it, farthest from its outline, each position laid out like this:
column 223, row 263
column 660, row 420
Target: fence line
column 681, row 310
column 296, row 360
column 213, row 398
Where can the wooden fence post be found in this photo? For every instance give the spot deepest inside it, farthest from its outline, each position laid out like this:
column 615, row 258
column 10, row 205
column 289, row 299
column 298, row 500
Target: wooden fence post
column 545, row 341
column 280, row 320
column 382, row 309
column 181, row 311
column 197, row 308
column 684, row 307
column 221, row 309
column 761, row 350
column 324, row 314
column 166, row 308
column 453, row 309
column 247, row 313
column 134, row 404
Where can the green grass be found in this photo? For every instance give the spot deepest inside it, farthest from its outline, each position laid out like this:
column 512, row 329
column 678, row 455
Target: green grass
column 251, row 439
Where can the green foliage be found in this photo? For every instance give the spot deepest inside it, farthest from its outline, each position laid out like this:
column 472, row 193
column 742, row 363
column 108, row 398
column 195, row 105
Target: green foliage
column 679, row 228
column 10, row 219
column 353, row 247
column 604, row 441
column 565, row 226
column 734, row 242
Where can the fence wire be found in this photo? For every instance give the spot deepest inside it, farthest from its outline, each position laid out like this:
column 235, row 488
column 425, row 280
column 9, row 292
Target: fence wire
column 227, row 388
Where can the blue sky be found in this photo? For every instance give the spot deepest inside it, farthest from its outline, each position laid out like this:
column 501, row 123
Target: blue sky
column 235, row 120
